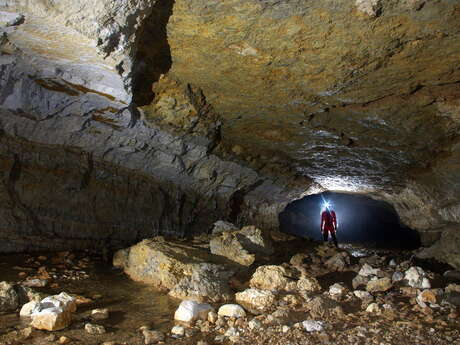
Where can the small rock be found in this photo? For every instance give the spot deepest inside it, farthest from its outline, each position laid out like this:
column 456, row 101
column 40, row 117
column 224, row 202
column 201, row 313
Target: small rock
column 212, row 317
column 285, row 329
column 427, row 296
column 232, row 332
column 9, row 299
column 91, row 328
column 371, row 8
column 367, row 270
column 64, row 340
column 202, row 342
column 231, row 310
column 363, row 295
column 339, row 262
column 35, row 283
column 382, row 284
column 392, row 263
column 26, row 332
column 308, row 284
column 373, row 308
column 254, row 324
column 452, row 276
column 416, row 278
column 152, row 337
column 189, row 311
column 222, row 226
column 54, row 312
column 51, row 338
column 255, row 300
column 178, row 331
column 359, row 281
column 313, row 326
column 100, row 314
column 397, row 276
column 337, row 290
column 271, row 277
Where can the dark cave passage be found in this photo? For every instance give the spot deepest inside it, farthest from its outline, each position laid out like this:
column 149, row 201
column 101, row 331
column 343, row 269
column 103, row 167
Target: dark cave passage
column 361, row 220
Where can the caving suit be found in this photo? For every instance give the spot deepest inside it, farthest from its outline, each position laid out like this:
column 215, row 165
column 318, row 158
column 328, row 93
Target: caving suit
column 329, row 225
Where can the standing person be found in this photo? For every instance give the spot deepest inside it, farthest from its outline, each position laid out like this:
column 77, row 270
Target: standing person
column 329, row 225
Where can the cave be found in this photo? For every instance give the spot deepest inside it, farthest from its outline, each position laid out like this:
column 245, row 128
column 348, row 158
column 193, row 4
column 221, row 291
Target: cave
column 181, row 149
column 361, row 221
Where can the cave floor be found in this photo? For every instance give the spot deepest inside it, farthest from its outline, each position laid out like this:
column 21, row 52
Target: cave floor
column 133, row 305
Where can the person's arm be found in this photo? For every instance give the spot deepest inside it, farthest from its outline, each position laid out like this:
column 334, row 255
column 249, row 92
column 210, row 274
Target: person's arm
column 334, row 220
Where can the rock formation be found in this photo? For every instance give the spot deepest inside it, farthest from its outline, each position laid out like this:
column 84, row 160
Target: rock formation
column 122, row 120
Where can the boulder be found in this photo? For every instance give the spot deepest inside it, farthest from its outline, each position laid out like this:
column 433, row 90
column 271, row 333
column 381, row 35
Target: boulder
column 272, row 277
column 242, row 246
column 54, row 312
column 231, row 310
column 166, row 264
column 28, row 308
column 9, row 299
column 222, row 226
column 189, row 311
column 417, row 278
column 379, row 285
column 208, row 283
column 255, row 300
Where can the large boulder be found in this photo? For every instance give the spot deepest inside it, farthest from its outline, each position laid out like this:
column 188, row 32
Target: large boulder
column 188, row 272
column 255, row 300
column 54, row 313
column 242, row 246
column 9, row 299
column 272, row 277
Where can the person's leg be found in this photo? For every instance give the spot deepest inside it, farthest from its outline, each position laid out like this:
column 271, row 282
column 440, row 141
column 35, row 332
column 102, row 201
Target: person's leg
column 334, row 238
column 325, row 235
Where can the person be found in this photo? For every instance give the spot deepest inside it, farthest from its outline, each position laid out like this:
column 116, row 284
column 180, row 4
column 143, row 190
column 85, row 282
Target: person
column 329, row 225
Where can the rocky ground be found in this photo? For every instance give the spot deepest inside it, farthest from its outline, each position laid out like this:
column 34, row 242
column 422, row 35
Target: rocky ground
column 236, row 286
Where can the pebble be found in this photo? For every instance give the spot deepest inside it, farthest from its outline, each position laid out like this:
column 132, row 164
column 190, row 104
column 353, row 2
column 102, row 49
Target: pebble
column 313, row 326
column 94, row 329
column 64, row 340
column 100, row 314
column 178, row 331
column 254, row 324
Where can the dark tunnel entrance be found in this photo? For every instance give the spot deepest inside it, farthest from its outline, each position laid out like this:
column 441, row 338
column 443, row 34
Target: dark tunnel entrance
column 361, row 220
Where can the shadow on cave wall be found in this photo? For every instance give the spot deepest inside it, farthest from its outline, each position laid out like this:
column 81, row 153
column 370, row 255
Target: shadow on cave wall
column 361, row 220
column 153, row 57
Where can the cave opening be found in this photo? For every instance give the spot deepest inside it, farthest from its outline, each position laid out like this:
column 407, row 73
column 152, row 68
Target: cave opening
column 361, row 220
